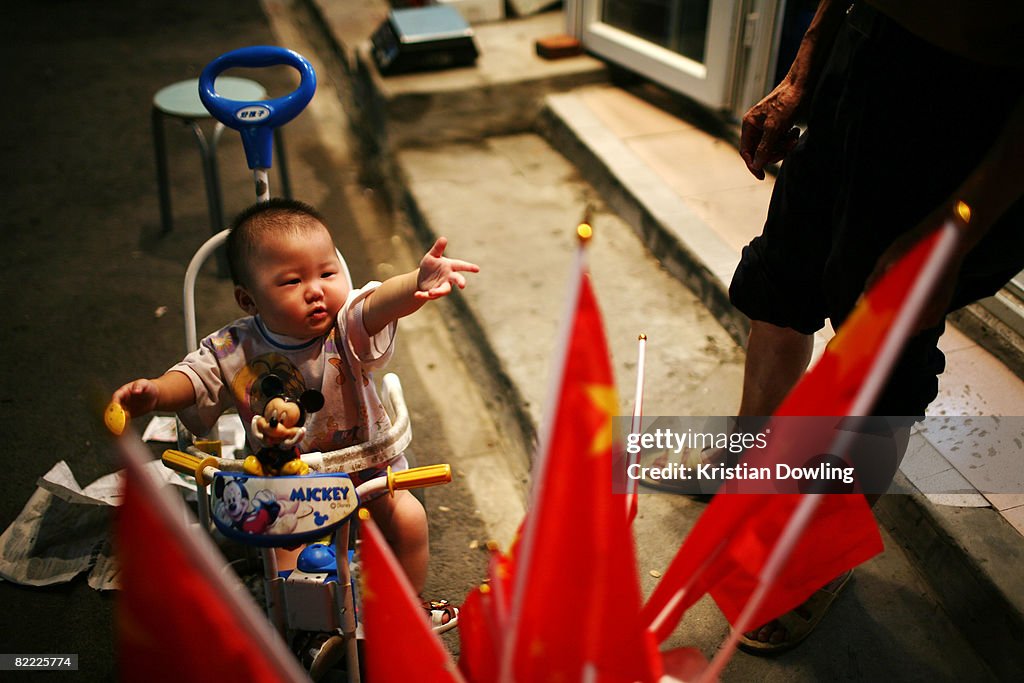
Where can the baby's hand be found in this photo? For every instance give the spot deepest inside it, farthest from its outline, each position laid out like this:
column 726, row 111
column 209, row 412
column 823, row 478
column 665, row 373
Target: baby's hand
column 138, row 397
column 438, row 274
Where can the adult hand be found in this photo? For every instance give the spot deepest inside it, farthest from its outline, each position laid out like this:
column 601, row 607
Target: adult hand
column 439, row 274
column 768, row 133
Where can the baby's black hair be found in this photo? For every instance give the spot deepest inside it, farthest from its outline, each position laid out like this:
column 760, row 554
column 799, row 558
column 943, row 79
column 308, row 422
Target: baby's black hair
column 249, row 226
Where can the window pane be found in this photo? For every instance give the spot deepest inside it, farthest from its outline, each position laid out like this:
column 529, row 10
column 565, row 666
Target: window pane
column 678, row 25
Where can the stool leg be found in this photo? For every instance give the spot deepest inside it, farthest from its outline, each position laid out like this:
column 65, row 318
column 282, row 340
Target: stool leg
column 282, row 164
column 212, row 177
column 162, row 181
column 222, row 259
column 217, row 215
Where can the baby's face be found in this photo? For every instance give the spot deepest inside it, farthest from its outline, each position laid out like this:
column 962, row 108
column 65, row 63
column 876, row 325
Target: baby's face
column 297, row 283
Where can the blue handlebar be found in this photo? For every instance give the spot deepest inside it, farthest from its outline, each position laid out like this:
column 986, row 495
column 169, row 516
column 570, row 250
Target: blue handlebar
column 256, row 120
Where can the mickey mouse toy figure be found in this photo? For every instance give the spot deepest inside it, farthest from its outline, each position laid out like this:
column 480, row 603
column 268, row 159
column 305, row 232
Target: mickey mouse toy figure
column 279, row 428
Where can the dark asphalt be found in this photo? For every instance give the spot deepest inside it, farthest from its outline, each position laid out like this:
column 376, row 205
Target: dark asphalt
column 86, row 266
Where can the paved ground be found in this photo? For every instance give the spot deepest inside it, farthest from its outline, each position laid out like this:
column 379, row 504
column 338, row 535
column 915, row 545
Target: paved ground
column 515, row 199
column 889, row 625
column 86, row 261
column 84, row 267
column 86, row 264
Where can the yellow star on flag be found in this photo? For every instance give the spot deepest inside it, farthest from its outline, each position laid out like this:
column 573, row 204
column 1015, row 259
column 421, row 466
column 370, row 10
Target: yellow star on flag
column 364, row 586
column 602, row 397
column 870, row 325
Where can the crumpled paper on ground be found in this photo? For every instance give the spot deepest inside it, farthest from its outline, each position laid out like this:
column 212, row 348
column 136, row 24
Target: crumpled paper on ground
column 230, row 432
column 65, row 530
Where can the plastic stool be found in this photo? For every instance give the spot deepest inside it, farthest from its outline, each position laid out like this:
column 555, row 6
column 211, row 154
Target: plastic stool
column 181, row 101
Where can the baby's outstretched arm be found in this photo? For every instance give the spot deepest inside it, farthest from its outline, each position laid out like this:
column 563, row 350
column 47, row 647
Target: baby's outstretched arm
column 171, row 391
column 401, row 295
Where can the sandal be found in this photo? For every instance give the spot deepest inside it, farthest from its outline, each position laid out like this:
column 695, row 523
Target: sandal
column 319, row 652
column 689, row 458
column 799, row 622
column 439, row 610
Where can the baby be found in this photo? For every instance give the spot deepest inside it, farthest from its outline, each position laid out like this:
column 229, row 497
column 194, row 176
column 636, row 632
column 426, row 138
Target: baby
column 308, row 331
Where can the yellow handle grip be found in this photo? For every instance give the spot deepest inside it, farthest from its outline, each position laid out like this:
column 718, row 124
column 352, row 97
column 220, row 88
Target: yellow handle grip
column 419, row 477
column 186, row 463
column 116, row 418
column 179, row 461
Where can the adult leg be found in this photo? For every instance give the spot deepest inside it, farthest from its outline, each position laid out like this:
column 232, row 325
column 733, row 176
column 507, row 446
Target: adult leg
column 776, row 359
column 887, row 194
column 780, row 355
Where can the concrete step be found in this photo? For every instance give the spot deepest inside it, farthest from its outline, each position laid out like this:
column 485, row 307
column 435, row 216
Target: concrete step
column 970, row 556
column 510, row 203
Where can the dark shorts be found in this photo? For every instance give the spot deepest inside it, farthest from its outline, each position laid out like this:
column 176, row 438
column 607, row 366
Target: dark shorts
column 894, row 128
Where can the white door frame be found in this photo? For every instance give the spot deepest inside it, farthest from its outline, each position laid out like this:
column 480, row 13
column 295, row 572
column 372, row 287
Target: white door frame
column 710, row 83
column 742, row 46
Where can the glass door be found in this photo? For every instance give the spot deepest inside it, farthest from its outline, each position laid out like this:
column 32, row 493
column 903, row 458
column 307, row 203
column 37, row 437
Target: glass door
column 690, row 46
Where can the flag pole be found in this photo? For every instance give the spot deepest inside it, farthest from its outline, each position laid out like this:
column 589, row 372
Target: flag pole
column 501, row 600
column 659, row 621
column 584, row 233
column 634, row 428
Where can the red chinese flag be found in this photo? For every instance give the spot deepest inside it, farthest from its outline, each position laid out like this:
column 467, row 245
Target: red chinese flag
column 500, row 570
column 726, row 552
column 857, row 362
column 180, row 615
column 400, row 645
column 479, row 640
column 483, row 621
column 576, row 604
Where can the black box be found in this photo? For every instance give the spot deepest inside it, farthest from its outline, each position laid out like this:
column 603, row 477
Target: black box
column 423, row 38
